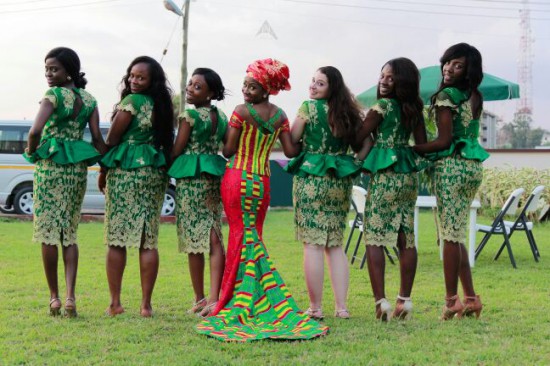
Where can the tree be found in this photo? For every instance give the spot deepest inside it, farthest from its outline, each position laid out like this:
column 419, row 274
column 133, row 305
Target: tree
column 520, row 135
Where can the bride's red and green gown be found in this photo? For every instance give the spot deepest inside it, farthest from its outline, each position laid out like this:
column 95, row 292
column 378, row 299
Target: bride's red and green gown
column 254, row 302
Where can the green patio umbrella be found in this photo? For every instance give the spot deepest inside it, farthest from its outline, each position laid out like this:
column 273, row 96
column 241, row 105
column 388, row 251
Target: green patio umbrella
column 492, row 87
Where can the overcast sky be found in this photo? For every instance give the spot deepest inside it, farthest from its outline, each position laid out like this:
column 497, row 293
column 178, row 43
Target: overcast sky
column 356, row 36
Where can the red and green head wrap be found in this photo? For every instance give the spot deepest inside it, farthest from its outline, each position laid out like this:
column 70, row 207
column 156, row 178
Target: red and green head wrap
column 271, row 74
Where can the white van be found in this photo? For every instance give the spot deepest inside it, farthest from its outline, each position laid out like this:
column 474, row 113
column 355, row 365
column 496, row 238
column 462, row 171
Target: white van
column 16, row 174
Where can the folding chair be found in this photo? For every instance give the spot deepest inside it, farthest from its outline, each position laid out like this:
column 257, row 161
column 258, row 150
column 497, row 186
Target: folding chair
column 498, row 227
column 358, row 200
column 521, row 223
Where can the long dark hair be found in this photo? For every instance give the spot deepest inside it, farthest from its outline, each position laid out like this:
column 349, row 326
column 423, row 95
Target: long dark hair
column 163, row 110
column 406, row 90
column 472, row 76
column 344, row 113
column 71, row 62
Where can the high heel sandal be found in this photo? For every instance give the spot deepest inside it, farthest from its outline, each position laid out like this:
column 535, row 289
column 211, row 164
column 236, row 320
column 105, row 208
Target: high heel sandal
column 205, row 312
column 197, row 306
column 454, row 310
column 472, row 305
column 383, row 312
column 342, row 314
column 55, row 310
column 316, row 314
column 70, row 308
column 403, row 309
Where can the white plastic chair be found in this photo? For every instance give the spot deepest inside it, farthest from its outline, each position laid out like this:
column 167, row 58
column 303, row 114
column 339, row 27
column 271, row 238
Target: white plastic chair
column 498, row 227
column 358, row 201
column 521, row 223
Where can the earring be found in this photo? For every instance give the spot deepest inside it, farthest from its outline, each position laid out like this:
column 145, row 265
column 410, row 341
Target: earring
column 265, row 96
column 207, row 98
column 69, row 78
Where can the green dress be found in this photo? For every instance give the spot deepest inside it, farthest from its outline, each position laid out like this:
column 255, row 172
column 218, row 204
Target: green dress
column 198, row 171
column 322, row 183
column 393, row 187
column 458, row 170
column 62, row 159
column 136, row 180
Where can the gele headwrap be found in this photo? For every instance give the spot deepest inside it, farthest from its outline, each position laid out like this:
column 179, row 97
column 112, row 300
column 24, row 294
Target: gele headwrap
column 271, row 74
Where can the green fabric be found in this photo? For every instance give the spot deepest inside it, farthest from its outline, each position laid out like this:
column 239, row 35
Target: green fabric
column 58, row 191
column 191, row 166
column 465, row 128
column 321, row 207
column 261, row 306
column 391, row 148
column 201, row 152
column 265, row 125
column 65, row 152
column 136, row 148
column 133, row 202
column 61, row 139
column 322, row 152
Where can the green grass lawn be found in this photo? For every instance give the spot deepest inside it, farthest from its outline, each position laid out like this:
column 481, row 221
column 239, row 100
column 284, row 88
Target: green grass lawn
column 514, row 328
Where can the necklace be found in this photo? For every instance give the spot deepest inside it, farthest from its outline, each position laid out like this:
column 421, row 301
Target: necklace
column 265, row 125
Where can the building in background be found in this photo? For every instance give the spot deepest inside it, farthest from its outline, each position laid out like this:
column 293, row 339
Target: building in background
column 488, row 132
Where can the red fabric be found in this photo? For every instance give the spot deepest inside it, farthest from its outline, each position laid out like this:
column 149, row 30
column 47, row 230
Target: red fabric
column 285, row 126
column 232, row 205
column 236, row 120
column 271, row 74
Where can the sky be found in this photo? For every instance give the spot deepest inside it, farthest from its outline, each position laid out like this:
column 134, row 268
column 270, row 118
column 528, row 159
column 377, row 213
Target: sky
column 356, row 36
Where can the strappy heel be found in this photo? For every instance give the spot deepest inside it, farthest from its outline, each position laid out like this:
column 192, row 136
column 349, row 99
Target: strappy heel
column 205, row 312
column 383, row 311
column 55, row 310
column 316, row 314
column 70, row 308
column 403, row 308
column 472, row 305
column 342, row 314
column 197, row 306
column 454, row 310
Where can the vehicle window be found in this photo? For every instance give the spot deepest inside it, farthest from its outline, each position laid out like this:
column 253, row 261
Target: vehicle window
column 13, row 139
column 88, row 135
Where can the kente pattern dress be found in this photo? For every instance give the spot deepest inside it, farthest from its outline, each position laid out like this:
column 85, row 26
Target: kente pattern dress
column 198, row 171
column 393, row 186
column 136, row 180
column 254, row 302
column 458, row 169
column 322, row 182
column 62, row 161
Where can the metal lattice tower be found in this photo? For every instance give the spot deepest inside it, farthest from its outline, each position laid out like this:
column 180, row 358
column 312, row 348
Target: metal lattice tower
column 525, row 63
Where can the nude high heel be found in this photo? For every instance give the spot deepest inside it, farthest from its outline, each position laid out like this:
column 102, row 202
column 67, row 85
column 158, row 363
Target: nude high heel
column 383, row 312
column 403, row 309
column 455, row 309
column 472, row 305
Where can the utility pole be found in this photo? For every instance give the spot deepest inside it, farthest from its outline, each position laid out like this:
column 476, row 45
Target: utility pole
column 183, row 83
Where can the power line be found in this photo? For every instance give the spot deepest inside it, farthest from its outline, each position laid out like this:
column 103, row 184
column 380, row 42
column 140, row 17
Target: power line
column 347, row 20
column 311, row 2
column 462, row 6
column 514, row 2
column 57, row 7
column 23, row 2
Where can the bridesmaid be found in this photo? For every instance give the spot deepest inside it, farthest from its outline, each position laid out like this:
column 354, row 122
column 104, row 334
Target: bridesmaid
column 255, row 303
column 134, row 176
column 325, row 126
column 62, row 158
column 393, row 187
column 198, row 169
column 458, row 158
